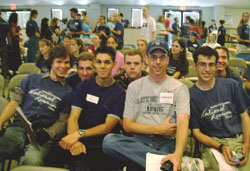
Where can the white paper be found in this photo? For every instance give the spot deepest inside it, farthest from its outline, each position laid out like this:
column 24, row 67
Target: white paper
column 153, row 162
column 223, row 165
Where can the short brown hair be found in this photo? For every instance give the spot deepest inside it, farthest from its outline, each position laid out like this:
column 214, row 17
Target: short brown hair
column 85, row 56
column 133, row 52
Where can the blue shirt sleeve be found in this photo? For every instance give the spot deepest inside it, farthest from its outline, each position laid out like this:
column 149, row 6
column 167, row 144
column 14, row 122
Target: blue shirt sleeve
column 79, row 96
column 239, row 97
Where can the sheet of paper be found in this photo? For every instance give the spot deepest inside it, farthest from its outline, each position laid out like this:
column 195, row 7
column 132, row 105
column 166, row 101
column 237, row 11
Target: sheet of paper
column 153, row 162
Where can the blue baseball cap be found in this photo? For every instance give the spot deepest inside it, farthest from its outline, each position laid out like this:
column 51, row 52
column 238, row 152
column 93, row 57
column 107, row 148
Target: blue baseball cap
column 157, row 44
column 247, row 73
column 193, row 33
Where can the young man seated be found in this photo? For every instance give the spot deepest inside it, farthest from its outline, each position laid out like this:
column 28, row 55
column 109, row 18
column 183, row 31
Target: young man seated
column 45, row 98
column 96, row 110
column 133, row 68
column 85, row 69
column 151, row 102
column 219, row 118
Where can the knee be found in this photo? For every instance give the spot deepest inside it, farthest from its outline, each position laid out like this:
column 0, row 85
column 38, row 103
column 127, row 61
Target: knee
column 109, row 142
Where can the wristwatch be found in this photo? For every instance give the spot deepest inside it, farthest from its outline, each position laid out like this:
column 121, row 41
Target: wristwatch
column 81, row 132
column 220, row 147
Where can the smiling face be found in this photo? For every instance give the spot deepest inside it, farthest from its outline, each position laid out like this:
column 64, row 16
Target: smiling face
column 158, row 62
column 133, row 66
column 74, row 47
column 44, row 49
column 205, row 68
column 104, row 66
column 59, row 68
column 223, row 61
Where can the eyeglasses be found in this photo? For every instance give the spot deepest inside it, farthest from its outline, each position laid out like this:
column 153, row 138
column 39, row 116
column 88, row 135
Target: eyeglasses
column 204, row 65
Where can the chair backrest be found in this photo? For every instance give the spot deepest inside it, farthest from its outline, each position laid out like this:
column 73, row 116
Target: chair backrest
column 27, row 68
column 232, row 52
column 191, row 72
column 237, row 62
column 37, row 168
column 14, row 81
column 130, row 45
column 2, row 84
column 127, row 48
column 190, row 61
column 3, row 104
column 235, row 70
column 188, row 83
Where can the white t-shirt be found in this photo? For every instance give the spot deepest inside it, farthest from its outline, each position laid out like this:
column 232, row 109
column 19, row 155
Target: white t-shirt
column 148, row 27
column 149, row 102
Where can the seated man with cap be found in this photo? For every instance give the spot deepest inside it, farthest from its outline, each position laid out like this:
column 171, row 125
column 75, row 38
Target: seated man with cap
column 151, row 102
column 192, row 43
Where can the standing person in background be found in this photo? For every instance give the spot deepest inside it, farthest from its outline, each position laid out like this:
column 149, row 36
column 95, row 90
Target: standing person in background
column 221, row 33
column 111, row 23
column 212, row 28
column 14, row 55
column 5, row 33
column 119, row 58
column 46, row 32
column 161, row 32
column 176, row 28
column 74, row 24
column 204, row 32
column 101, row 28
column 86, row 31
column 84, row 14
column 167, row 25
column 32, row 32
column 184, row 31
column 118, row 31
column 148, row 27
column 56, row 30
column 124, row 21
column 243, row 34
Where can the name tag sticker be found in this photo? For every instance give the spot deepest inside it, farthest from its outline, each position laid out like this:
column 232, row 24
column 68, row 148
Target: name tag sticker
column 167, row 98
column 92, row 99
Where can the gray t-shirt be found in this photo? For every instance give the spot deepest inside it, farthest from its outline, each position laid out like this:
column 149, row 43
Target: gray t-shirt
column 149, row 102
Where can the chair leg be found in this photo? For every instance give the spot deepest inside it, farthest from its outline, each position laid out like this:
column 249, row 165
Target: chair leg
column 9, row 165
column 3, row 164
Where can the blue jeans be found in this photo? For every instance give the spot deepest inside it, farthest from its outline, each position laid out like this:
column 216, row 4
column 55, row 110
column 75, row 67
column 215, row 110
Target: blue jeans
column 134, row 149
column 13, row 140
column 32, row 49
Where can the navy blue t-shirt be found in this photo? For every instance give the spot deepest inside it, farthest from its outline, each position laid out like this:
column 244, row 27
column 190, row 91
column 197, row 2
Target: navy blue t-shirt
column 232, row 75
column 42, row 65
column 243, row 32
column 119, row 26
column 96, row 102
column 75, row 26
column 175, row 27
column 185, row 30
column 192, row 46
column 31, row 28
column 44, row 97
column 4, row 29
column 73, row 79
column 106, row 30
column 172, row 66
column 216, row 112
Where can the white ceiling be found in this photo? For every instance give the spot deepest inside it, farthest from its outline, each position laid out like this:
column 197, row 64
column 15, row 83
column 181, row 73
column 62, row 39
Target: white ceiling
column 234, row 3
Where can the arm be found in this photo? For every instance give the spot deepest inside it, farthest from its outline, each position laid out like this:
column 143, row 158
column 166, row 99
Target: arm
column 177, row 75
column 245, row 129
column 13, row 32
column 9, row 39
column 208, row 141
column 37, row 34
column 118, row 32
column 153, row 35
column 242, row 40
column 8, row 112
column 165, row 128
column 57, row 129
column 181, row 138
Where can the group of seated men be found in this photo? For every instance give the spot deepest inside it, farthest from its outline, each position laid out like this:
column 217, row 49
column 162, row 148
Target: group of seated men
column 109, row 127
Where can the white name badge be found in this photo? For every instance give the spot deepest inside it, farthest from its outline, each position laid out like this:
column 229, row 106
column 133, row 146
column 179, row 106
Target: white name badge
column 167, row 98
column 92, row 99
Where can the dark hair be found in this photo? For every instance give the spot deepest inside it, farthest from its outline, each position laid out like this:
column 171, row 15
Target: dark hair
column 74, row 10
column 121, row 14
column 54, row 21
column 113, row 38
column 13, row 18
column 79, row 42
column 84, row 12
column 47, row 42
column 169, row 14
column 182, row 65
column 45, row 28
column 85, row 56
column 33, row 12
column 58, row 51
column 223, row 48
column 205, row 51
column 203, row 23
column 222, row 22
column 133, row 52
column 79, row 15
column 107, row 50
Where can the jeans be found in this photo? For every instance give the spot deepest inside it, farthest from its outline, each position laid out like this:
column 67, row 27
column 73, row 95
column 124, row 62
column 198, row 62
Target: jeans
column 13, row 140
column 131, row 150
column 32, row 49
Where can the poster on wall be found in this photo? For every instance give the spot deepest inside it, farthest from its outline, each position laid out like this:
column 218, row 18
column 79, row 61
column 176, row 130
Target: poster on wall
column 228, row 19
